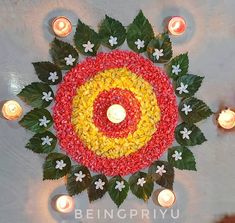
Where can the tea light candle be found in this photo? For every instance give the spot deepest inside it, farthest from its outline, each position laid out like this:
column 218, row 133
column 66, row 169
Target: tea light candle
column 164, row 198
column 116, row 113
column 12, row 110
column 64, row 204
column 177, row 25
column 61, row 26
column 226, row 119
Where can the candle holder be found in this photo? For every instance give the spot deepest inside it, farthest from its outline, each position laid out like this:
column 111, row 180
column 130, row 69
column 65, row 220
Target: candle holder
column 226, row 119
column 63, row 203
column 11, row 110
column 61, row 26
column 176, row 25
column 164, row 198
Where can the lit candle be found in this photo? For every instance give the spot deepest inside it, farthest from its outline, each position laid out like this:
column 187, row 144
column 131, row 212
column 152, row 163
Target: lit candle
column 12, row 110
column 226, row 119
column 64, row 204
column 177, row 25
column 164, row 198
column 61, row 26
column 116, row 113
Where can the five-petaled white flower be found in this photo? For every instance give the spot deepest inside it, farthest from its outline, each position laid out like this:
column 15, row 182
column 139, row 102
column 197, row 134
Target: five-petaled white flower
column 176, row 69
column 43, row 121
column 141, row 182
column 161, row 170
column 158, row 53
column 60, row 164
column 185, row 133
column 120, row 185
column 79, row 176
column 139, row 44
column 46, row 140
column 99, row 184
column 182, row 88
column 113, row 41
column 47, row 96
column 88, row 46
column 177, row 155
column 53, row 76
column 186, row 109
column 69, row 60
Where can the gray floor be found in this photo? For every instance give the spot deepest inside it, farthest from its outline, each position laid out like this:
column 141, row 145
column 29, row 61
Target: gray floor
column 202, row 196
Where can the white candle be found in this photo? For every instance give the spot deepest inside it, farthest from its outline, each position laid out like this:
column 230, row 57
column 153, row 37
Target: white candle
column 226, row 119
column 64, row 204
column 164, row 198
column 61, row 26
column 12, row 110
column 116, row 113
column 177, row 25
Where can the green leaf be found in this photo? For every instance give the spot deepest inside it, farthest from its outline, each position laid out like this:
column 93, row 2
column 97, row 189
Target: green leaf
column 141, row 192
column 31, row 120
column 186, row 163
column 167, row 179
column 140, row 29
column 84, row 34
column 94, row 193
column 49, row 167
column 111, row 27
column 61, row 50
column 196, row 137
column 38, row 145
column 116, row 195
column 45, row 69
column 76, row 186
column 162, row 43
column 182, row 62
column 193, row 83
column 33, row 95
column 199, row 111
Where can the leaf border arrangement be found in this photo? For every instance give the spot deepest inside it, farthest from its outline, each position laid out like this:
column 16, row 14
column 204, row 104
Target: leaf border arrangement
column 191, row 109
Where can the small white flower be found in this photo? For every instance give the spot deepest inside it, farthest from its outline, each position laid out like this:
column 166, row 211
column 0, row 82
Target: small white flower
column 158, row 53
column 79, row 176
column 53, row 76
column 113, row 41
column 88, row 47
column 182, row 88
column 185, row 133
column 177, row 155
column 60, row 164
column 141, row 182
column 47, row 96
column 176, row 69
column 139, row 44
column 120, row 185
column 46, row 140
column 69, row 60
column 99, row 184
column 186, row 109
column 43, row 121
column 161, row 170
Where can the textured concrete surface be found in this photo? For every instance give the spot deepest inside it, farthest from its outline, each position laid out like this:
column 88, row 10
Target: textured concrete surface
column 202, row 196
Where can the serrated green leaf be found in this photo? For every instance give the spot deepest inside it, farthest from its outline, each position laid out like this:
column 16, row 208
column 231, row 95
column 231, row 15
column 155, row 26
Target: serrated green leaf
column 83, row 35
column 74, row 185
column 42, row 142
column 188, row 85
column 37, row 95
column 140, row 29
column 187, row 161
column 31, row 120
column 160, row 45
column 60, row 51
column 50, row 172
column 166, row 179
column 195, row 136
column 94, row 193
column 182, row 62
column 141, row 192
column 45, row 69
column 199, row 109
column 118, row 195
column 112, row 28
